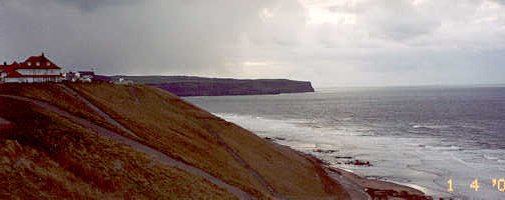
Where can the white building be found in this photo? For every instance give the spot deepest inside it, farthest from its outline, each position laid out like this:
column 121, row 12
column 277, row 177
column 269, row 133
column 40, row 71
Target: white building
column 86, row 76
column 36, row 69
column 80, row 76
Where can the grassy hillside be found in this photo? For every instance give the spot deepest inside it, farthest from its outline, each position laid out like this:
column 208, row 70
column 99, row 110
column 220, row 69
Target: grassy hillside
column 44, row 154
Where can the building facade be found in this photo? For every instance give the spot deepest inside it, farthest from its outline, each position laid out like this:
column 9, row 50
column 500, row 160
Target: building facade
column 36, row 69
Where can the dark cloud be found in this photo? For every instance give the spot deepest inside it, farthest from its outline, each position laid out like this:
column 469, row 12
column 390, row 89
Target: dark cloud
column 156, row 36
column 366, row 42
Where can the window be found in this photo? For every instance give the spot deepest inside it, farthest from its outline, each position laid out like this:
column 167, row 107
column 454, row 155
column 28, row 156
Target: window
column 29, row 64
column 38, row 64
column 48, row 64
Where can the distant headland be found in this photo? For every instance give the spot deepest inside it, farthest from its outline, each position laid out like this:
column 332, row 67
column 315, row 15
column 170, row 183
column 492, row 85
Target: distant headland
column 201, row 86
column 39, row 69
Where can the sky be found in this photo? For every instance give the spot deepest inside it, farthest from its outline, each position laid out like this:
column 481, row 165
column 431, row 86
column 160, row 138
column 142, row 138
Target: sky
column 328, row 42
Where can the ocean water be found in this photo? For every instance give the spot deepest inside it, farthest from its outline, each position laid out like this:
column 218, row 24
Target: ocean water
column 416, row 136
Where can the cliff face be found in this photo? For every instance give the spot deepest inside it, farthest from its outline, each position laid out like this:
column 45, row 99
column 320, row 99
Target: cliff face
column 103, row 141
column 198, row 86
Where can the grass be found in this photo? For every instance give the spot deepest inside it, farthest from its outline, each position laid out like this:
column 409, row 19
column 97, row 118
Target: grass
column 178, row 128
column 56, row 95
column 168, row 124
column 46, row 156
column 165, row 126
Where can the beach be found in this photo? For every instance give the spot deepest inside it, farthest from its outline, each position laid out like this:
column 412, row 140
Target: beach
column 359, row 187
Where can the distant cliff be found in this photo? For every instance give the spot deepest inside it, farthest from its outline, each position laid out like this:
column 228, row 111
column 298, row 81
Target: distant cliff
column 199, row 86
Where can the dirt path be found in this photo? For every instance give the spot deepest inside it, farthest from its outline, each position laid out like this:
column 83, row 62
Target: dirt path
column 160, row 157
column 134, row 94
column 239, row 159
column 4, row 124
column 102, row 114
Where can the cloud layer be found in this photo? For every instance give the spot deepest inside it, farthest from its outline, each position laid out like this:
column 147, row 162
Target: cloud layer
column 332, row 43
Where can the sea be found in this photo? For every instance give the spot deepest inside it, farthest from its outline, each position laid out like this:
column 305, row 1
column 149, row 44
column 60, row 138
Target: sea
column 437, row 139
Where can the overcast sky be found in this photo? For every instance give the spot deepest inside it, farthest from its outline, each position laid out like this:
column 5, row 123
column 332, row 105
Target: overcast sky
column 329, row 42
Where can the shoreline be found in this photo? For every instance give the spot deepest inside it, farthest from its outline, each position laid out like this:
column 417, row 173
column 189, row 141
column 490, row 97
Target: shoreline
column 359, row 187
column 375, row 188
column 339, row 128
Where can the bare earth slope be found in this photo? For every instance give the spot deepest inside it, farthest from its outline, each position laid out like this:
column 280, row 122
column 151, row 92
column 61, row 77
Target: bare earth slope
column 114, row 141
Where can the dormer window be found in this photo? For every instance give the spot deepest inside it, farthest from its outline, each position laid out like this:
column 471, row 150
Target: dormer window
column 48, row 64
column 29, row 64
column 38, row 64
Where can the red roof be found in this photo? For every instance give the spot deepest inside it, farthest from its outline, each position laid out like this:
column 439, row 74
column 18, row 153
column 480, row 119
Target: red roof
column 38, row 62
column 33, row 62
column 11, row 70
column 12, row 73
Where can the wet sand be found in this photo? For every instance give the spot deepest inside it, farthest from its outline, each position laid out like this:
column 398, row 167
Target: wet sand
column 362, row 188
column 375, row 188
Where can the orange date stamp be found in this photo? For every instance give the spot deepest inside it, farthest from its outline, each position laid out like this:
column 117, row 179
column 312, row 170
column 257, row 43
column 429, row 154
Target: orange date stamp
column 498, row 184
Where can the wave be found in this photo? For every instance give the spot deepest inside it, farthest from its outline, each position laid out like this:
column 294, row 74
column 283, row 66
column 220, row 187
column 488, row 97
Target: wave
column 421, row 126
column 445, row 148
column 426, row 162
column 490, row 157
